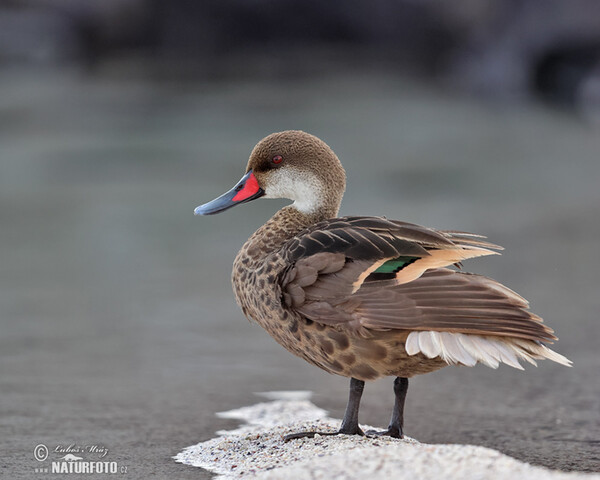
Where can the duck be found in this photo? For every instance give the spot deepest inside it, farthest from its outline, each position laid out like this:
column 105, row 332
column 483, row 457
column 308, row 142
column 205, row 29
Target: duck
column 367, row 297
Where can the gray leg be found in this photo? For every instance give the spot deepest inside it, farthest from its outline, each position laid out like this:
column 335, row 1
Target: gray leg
column 397, row 421
column 350, row 421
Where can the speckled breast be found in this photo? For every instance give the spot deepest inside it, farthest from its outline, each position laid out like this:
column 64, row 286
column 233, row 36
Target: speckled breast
column 258, row 293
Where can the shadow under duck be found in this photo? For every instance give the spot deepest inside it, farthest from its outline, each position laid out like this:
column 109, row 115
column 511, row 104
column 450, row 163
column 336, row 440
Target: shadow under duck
column 367, row 297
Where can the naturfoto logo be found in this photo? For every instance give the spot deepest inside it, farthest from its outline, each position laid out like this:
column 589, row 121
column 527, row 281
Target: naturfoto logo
column 73, row 459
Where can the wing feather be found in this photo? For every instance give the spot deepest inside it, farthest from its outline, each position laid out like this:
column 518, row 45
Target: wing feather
column 329, row 281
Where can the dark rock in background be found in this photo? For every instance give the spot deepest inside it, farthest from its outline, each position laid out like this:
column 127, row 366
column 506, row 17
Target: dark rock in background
column 502, row 49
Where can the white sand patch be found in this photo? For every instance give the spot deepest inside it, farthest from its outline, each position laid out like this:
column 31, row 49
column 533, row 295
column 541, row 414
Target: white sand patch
column 256, row 450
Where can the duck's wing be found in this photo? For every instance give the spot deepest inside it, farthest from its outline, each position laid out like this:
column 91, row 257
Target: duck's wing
column 369, row 273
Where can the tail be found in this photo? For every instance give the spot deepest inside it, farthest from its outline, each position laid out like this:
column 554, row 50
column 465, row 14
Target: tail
column 467, row 349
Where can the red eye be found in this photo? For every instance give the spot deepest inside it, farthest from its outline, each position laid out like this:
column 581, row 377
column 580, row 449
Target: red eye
column 277, row 159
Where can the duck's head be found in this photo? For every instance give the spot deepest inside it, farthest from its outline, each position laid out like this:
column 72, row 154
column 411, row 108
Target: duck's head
column 291, row 164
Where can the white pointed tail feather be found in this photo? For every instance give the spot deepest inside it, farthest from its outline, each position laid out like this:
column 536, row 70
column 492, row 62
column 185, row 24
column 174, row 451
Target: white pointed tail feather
column 412, row 344
column 472, row 346
column 429, row 345
column 453, row 352
column 464, row 349
column 507, row 354
column 538, row 351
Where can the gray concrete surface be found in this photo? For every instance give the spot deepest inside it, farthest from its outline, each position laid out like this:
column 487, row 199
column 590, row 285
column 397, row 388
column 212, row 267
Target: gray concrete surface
column 117, row 323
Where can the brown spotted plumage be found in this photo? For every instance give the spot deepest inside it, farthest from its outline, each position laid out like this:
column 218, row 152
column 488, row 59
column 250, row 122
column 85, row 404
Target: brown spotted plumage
column 367, row 297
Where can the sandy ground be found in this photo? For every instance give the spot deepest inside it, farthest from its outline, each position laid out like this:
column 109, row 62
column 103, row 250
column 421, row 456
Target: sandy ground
column 118, row 326
column 256, row 450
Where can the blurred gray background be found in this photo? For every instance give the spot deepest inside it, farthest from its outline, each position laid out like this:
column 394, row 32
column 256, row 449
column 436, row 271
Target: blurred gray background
column 118, row 326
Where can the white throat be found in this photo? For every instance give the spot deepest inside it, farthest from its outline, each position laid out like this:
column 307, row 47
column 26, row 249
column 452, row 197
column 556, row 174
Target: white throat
column 304, row 188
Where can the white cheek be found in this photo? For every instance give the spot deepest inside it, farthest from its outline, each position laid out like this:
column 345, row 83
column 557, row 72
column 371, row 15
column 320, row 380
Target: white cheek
column 304, row 188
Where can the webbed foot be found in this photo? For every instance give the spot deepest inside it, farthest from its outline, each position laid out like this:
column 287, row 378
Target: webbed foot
column 350, row 421
column 393, row 432
column 294, row 436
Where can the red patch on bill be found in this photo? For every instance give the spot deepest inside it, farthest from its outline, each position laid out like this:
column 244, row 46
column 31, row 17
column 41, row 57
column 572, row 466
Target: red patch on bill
column 250, row 188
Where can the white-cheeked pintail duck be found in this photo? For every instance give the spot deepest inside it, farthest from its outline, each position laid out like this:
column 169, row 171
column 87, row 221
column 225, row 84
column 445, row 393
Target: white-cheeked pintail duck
column 367, row 297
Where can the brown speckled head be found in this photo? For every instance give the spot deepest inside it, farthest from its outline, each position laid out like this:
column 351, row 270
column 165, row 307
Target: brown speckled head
column 301, row 167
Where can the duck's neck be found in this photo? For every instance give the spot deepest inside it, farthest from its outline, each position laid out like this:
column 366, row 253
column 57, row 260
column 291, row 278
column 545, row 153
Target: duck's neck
column 282, row 226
